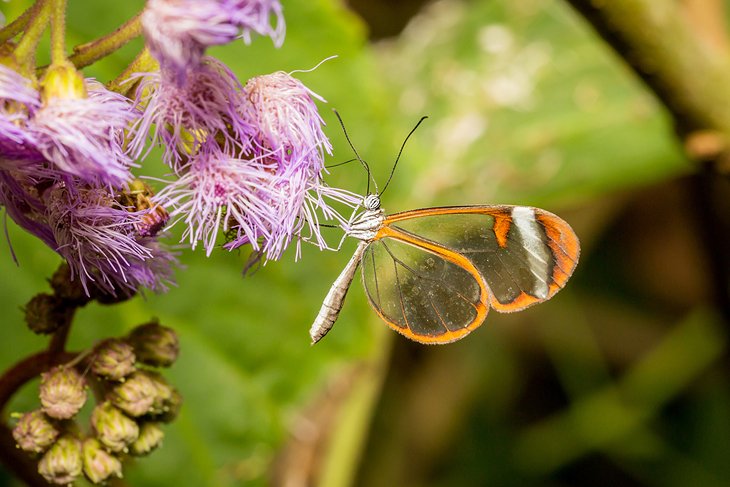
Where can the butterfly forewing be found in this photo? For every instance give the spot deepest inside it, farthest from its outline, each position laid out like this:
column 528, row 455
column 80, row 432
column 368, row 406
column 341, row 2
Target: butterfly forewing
column 421, row 291
column 524, row 254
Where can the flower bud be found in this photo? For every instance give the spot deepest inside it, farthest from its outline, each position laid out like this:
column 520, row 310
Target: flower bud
column 155, row 344
column 136, row 395
column 113, row 360
column 99, row 464
column 62, row 462
column 62, row 80
column 35, row 432
column 62, row 392
column 67, row 288
column 113, row 429
column 150, row 437
column 170, row 408
column 45, row 313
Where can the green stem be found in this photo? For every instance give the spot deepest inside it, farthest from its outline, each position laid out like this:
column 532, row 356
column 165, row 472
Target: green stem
column 144, row 62
column 89, row 53
column 58, row 31
column 25, row 52
column 18, row 25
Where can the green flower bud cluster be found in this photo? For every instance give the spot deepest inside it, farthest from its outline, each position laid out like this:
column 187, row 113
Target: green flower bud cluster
column 133, row 401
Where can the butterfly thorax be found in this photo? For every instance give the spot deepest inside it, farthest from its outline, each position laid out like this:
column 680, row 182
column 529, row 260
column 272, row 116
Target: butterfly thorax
column 366, row 224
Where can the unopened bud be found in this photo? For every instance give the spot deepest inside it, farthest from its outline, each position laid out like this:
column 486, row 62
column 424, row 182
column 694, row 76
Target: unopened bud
column 113, row 429
column 99, row 464
column 45, row 313
column 113, row 359
column 62, row 80
column 136, row 395
column 150, row 437
column 35, row 432
column 62, row 462
column 67, row 288
column 62, row 392
column 155, row 344
column 170, row 408
column 102, row 296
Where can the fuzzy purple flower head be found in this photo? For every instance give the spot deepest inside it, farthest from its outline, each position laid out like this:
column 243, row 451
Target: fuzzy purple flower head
column 101, row 243
column 182, row 117
column 19, row 100
column 80, row 126
column 179, row 31
column 269, row 193
column 289, row 133
column 218, row 191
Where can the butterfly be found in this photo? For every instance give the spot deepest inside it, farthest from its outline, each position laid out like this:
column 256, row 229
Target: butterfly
column 433, row 274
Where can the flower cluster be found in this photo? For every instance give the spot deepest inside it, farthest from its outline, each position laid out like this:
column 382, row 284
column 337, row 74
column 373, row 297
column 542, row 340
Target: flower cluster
column 133, row 401
column 64, row 172
column 247, row 159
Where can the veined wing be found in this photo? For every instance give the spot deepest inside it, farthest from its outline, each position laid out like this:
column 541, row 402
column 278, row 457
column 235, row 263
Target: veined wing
column 524, row 254
column 423, row 290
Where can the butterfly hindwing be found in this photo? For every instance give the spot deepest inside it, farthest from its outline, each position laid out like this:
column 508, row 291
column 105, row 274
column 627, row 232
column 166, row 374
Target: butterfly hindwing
column 423, row 291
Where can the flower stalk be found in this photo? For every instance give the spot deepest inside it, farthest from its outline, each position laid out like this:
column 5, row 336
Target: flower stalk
column 25, row 52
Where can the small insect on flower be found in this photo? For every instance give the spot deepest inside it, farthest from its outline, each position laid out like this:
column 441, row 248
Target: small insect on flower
column 138, row 198
column 99, row 239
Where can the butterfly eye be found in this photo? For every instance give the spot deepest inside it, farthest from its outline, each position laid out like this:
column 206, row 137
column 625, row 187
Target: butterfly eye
column 372, row 202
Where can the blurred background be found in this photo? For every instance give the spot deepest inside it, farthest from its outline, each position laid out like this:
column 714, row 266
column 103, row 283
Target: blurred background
column 620, row 380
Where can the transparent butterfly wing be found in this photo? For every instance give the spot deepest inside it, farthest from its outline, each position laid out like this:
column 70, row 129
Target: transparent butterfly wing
column 423, row 291
column 524, row 254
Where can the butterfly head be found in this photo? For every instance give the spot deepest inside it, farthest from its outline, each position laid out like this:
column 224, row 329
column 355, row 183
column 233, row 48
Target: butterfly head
column 372, row 202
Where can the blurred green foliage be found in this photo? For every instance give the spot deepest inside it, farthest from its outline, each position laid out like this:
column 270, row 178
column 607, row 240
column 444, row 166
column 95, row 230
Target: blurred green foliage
column 526, row 106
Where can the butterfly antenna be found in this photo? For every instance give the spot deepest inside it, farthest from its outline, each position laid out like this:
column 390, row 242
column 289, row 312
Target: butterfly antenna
column 364, row 164
column 330, row 166
column 392, row 171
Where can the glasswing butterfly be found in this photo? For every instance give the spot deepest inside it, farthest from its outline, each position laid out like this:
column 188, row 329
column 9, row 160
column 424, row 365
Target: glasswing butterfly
column 432, row 274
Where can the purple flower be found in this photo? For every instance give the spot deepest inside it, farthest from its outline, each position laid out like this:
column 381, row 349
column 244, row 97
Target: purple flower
column 181, row 117
column 99, row 240
column 217, row 192
column 82, row 134
column 297, row 201
column 287, row 121
column 179, row 31
column 289, row 133
column 18, row 101
column 23, row 203
column 255, row 16
column 17, row 89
